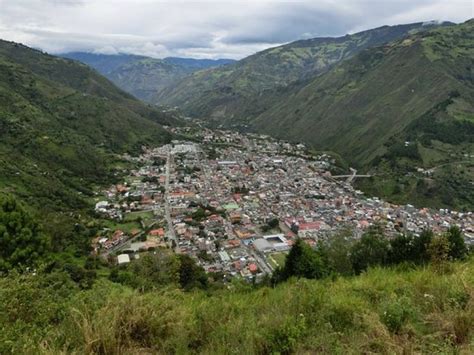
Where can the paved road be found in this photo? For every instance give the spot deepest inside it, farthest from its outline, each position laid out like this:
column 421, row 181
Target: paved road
column 171, row 232
column 351, row 176
column 261, row 262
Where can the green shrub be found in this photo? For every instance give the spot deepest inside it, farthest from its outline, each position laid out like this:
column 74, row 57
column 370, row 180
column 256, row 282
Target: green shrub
column 395, row 314
column 284, row 339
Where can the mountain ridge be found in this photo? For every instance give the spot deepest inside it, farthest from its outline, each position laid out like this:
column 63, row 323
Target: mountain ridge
column 143, row 76
column 365, row 108
column 232, row 93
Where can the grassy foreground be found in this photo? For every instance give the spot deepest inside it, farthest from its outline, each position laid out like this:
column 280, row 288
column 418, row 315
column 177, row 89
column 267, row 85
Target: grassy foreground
column 397, row 310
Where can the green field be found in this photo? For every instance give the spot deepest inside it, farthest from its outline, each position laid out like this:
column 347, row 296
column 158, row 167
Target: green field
column 127, row 227
column 146, row 216
column 277, row 259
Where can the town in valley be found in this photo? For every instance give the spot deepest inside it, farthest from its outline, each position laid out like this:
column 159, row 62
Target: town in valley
column 236, row 203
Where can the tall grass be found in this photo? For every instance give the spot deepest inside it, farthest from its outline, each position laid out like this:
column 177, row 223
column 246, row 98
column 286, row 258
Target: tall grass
column 390, row 311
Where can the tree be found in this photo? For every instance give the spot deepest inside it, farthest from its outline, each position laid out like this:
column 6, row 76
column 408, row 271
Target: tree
column 402, row 248
column 22, row 241
column 302, row 261
column 337, row 250
column 457, row 246
column 83, row 277
column 408, row 248
column 372, row 249
column 439, row 250
column 190, row 274
column 273, row 223
column 420, row 246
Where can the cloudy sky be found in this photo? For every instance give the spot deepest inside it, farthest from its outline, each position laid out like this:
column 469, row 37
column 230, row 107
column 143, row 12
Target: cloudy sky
column 204, row 29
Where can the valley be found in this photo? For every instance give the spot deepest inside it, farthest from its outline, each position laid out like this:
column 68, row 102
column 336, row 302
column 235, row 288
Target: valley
column 236, row 203
column 314, row 195
column 417, row 87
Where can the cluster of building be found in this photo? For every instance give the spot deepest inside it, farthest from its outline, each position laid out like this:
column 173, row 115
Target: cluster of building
column 237, row 202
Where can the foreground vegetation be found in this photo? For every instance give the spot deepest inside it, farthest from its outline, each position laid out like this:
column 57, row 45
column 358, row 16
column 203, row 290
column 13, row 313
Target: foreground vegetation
column 396, row 310
column 401, row 295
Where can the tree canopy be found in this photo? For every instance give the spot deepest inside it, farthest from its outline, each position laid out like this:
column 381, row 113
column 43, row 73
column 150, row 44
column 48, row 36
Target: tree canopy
column 302, row 261
column 371, row 250
column 22, row 241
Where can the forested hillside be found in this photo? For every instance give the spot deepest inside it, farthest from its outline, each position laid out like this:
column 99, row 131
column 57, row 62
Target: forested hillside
column 62, row 126
column 234, row 94
column 407, row 104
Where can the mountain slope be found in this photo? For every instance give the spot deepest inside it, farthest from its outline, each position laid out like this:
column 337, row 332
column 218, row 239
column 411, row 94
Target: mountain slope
column 247, row 87
column 143, row 76
column 103, row 63
column 420, row 90
column 198, row 64
column 61, row 125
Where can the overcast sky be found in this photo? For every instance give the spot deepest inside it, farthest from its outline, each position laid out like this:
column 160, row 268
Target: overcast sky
column 210, row 29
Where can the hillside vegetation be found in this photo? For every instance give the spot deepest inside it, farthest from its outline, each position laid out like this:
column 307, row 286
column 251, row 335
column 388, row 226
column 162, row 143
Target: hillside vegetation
column 143, row 76
column 392, row 109
column 233, row 93
column 383, row 311
column 62, row 127
column 360, row 104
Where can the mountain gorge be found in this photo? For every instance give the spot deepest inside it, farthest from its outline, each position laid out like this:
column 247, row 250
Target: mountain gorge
column 143, row 76
column 362, row 96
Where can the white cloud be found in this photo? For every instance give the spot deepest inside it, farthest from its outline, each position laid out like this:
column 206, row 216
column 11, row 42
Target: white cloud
column 203, row 29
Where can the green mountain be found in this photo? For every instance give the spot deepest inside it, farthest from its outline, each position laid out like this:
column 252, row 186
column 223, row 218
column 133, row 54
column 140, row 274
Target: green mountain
column 235, row 92
column 407, row 104
column 62, row 126
column 143, row 76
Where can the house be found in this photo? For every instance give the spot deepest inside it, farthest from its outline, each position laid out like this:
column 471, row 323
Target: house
column 101, row 206
column 253, row 268
column 160, row 232
column 235, row 217
column 308, row 229
column 123, row 259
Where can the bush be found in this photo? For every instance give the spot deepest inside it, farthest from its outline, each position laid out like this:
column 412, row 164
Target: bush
column 284, row 339
column 395, row 314
column 371, row 250
column 22, row 241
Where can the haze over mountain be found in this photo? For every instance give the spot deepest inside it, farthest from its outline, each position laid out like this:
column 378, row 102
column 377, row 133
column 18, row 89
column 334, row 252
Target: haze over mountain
column 144, row 76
